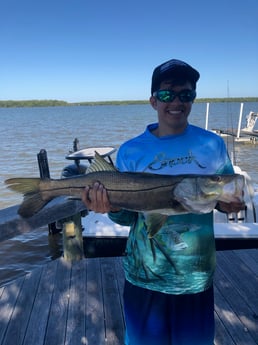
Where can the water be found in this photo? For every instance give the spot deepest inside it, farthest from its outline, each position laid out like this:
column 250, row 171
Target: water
column 25, row 131
column 23, row 253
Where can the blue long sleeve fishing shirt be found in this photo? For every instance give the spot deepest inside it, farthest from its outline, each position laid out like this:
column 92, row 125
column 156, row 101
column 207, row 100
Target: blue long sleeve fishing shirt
column 180, row 258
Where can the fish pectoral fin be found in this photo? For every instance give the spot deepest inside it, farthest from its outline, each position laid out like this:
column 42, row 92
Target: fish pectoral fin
column 154, row 221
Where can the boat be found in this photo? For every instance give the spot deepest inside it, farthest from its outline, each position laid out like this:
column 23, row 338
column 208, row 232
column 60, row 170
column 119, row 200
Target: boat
column 245, row 135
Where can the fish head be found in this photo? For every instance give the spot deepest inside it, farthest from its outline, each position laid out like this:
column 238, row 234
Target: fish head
column 201, row 187
column 200, row 194
column 233, row 191
column 197, row 194
column 227, row 188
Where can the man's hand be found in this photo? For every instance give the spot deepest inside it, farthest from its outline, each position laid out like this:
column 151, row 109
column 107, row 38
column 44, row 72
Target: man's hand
column 232, row 207
column 96, row 199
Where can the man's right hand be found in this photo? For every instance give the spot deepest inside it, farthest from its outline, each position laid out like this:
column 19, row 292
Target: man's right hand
column 96, row 199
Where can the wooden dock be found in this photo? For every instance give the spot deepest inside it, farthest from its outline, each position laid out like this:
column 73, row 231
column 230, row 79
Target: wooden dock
column 81, row 303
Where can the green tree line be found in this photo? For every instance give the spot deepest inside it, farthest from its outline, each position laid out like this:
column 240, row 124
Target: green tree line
column 58, row 103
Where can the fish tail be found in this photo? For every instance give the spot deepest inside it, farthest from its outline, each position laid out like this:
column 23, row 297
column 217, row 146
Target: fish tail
column 32, row 201
column 23, row 185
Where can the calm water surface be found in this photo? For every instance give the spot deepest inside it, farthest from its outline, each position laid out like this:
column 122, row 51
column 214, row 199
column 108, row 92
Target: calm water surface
column 25, row 131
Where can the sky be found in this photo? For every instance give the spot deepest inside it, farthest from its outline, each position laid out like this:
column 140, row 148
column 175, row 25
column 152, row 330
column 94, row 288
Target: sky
column 104, row 50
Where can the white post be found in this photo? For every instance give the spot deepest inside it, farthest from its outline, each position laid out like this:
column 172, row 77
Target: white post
column 240, row 120
column 207, row 115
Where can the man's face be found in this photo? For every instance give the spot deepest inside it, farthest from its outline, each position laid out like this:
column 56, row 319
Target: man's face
column 172, row 116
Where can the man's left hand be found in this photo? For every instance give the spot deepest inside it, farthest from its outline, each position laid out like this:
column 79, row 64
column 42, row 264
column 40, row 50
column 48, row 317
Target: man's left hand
column 232, row 207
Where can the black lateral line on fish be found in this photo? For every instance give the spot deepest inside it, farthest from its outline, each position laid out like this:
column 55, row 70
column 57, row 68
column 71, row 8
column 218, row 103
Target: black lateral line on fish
column 108, row 189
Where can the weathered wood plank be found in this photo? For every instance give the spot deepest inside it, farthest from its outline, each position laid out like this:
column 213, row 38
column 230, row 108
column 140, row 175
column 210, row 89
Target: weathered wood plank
column 230, row 320
column 8, row 301
column 57, row 321
column 235, row 269
column 22, row 309
column 250, row 258
column 95, row 324
column 112, row 305
column 76, row 325
column 37, row 326
column 228, row 299
column 120, row 279
column 222, row 336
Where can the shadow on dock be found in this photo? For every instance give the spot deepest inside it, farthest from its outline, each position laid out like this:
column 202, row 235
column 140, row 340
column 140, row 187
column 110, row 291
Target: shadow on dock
column 81, row 303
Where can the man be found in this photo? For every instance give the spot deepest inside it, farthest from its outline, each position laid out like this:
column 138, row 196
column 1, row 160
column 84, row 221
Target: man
column 168, row 295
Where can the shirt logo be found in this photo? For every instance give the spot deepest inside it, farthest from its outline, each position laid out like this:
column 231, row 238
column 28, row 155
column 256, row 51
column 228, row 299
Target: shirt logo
column 161, row 162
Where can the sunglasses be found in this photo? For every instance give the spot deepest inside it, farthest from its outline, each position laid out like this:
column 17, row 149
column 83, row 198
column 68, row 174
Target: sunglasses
column 167, row 96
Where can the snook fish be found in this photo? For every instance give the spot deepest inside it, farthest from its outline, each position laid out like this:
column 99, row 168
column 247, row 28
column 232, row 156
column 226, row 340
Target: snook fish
column 143, row 192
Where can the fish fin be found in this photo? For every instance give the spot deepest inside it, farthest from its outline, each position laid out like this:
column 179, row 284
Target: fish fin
column 32, row 201
column 154, row 221
column 100, row 164
column 23, row 185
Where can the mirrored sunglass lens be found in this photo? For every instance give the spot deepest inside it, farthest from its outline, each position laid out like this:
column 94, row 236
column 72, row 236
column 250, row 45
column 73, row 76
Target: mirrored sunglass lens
column 186, row 96
column 165, row 95
column 169, row 95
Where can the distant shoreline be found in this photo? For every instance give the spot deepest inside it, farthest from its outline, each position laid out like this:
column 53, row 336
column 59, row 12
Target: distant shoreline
column 58, row 103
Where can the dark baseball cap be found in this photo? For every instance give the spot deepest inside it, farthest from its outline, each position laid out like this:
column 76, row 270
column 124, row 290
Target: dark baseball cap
column 173, row 69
